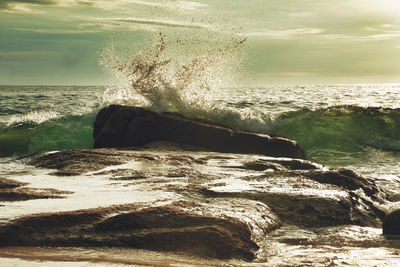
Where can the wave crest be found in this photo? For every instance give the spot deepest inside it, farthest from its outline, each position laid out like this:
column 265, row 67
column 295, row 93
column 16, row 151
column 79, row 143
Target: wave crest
column 341, row 128
column 69, row 132
column 32, row 117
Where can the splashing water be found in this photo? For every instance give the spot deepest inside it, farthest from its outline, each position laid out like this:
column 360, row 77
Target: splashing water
column 34, row 117
column 165, row 83
column 165, row 79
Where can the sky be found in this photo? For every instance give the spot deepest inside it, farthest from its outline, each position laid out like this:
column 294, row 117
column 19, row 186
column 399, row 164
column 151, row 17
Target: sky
column 54, row 42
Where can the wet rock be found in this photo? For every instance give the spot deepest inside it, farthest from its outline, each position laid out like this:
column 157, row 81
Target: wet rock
column 277, row 164
column 11, row 190
column 122, row 126
column 75, row 162
column 299, row 201
column 21, row 194
column 9, row 183
column 346, row 179
column 234, row 200
column 194, row 228
column 391, row 223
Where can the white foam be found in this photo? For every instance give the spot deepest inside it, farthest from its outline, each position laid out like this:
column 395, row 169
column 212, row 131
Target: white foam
column 35, row 116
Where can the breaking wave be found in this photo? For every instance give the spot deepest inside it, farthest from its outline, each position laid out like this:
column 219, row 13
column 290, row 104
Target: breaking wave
column 30, row 137
column 341, row 128
column 326, row 131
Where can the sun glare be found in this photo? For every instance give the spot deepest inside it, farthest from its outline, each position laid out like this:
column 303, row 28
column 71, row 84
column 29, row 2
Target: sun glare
column 392, row 4
column 387, row 6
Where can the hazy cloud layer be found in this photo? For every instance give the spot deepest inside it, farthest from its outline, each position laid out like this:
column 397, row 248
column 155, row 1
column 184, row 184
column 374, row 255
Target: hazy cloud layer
column 105, row 4
column 7, row 4
column 283, row 34
column 158, row 22
column 286, row 39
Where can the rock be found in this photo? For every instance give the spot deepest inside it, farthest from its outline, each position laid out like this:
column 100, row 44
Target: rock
column 122, row 126
column 9, row 183
column 179, row 226
column 75, row 162
column 21, row 194
column 276, row 164
column 347, row 179
column 298, row 191
column 11, row 190
column 391, row 223
column 208, row 204
column 296, row 200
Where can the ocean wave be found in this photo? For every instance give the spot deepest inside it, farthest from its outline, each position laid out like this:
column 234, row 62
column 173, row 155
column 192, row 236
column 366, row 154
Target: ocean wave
column 334, row 131
column 32, row 117
column 58, row 133
column 341, row 128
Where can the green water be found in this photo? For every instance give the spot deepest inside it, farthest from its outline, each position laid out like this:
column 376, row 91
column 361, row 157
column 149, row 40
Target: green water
column 338, row 129
column 64, row 133
column 341, row 128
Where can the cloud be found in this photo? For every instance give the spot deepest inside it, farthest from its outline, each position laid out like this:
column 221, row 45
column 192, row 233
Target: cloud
column 283, row 34
column 304, row 14
column 182, row 5
column 165, row 23
column 9, row 4
column 384, row 35
column 24, row 5
column 79, row 30
column 388, row 26
column 380, row 35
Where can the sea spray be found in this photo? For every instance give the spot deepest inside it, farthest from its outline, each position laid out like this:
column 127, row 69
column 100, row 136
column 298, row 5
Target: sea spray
column 168, row 83
column 164, row 78
column 32, row 117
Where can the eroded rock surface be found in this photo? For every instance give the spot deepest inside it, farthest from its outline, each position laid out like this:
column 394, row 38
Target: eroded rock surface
column 210, row 204
column 210, row 230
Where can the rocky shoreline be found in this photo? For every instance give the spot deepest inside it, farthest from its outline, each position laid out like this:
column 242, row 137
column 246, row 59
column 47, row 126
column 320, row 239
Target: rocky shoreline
column 210, row 204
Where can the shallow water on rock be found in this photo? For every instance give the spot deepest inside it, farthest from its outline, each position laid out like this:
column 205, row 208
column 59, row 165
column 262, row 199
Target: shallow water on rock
column 292, row 228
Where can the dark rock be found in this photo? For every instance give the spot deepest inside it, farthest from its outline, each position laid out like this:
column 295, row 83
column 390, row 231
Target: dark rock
column 277, row 164
column 75, row 162
column 122, row 126
column 346, row 179
column 391, row 223
column 20, row 194
column 11, row 190
column 9, row 183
